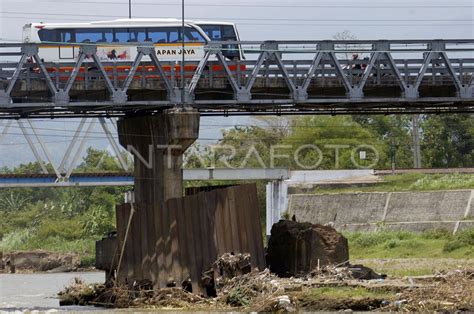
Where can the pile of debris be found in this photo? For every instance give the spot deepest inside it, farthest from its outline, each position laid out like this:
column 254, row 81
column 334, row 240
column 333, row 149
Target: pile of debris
column 79, row 293
column 294, row 249
column 232, row 265
column 346, row 272
column 448, row 291
column 302, row 259
column 249, row 289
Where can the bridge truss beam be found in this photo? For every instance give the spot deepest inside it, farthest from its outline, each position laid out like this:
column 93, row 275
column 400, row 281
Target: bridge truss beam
column 287, row 77
column 76, row 148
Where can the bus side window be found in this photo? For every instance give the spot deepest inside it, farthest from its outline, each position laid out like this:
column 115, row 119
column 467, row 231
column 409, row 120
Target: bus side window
column 66, row 36
column 88, row 35
column 157, row 35
column 192, row 35
column 48, row 35
column 138, row 35
column 173, row 35
column 107, row 36
column 121, row 35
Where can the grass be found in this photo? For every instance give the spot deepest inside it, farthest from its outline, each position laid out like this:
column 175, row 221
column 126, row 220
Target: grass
column 402, row 253
column 345, row 293
column 344, row 297
column 411, row 182
column 25, row 240
column 403, row 244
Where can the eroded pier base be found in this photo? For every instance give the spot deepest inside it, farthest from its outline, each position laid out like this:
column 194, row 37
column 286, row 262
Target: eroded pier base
column 157, row 143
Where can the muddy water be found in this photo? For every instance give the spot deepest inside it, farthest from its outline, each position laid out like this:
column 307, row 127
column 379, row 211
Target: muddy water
column 39, row 291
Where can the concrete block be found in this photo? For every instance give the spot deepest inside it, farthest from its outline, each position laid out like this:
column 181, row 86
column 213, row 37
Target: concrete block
column 427, row 206
column 341, row 209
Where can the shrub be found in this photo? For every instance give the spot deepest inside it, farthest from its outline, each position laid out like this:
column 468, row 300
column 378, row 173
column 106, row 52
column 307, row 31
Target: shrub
column 15, row 239
column 391, row 244
column 377, row 238
column 451, row 246
column 66, row 229
column 369, row 239
column 436, row 234
column 87, row 261
column 464, row 238
column 237, row 297
column 98, row 221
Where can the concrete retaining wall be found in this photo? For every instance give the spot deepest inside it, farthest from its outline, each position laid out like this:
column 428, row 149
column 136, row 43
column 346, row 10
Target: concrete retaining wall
column 416, row 211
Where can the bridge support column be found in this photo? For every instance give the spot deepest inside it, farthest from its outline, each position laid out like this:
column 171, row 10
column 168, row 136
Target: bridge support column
column 157, row 143
column 277, row 203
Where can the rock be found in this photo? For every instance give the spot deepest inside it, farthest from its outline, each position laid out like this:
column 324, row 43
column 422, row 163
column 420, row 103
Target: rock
column 295, row 248
column 366, row 273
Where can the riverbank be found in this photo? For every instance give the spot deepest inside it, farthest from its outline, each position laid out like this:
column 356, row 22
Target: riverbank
column 39, row 291
column 39, row 261
column 328, row 289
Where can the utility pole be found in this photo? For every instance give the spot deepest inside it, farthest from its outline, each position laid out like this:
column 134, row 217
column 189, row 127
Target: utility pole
column 183, row 83
column 416, row 141
column 393, row 152
column 129, row 9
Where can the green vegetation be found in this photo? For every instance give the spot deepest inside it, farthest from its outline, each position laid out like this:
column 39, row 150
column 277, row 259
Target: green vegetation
column 402, row 253
column 343, row 297
column 60, row 220
column 403, row 244
column 71, row 219
column 237, row 297
column 410, row 182
column 446, row 141
column 346, row 293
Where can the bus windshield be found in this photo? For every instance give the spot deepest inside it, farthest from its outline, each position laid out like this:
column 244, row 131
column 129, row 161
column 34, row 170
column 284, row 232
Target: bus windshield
column 223, row 33
column 219, row 32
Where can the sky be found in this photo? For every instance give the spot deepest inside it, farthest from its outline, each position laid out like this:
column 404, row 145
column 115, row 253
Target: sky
column 265, row 19
column 256, row 20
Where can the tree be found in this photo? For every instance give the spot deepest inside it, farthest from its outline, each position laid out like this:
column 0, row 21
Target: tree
column 448, row 140
column 99, row 160
column 394, row 131
column 248, row 147
column 335, row 142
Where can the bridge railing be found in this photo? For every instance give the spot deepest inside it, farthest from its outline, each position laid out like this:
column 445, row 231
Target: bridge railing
column 296, row 71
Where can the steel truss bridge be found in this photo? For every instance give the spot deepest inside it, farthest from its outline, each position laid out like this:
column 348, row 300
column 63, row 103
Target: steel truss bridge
column 62, row 170
column 277, row 77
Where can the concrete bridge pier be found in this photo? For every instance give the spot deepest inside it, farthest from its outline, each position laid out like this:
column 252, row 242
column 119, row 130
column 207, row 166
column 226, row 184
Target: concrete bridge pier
column 157, row 143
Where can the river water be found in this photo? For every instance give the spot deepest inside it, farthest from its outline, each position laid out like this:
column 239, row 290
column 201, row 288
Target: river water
column 19, row 292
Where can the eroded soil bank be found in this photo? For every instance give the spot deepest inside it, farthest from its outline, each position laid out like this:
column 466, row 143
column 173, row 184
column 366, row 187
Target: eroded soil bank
column 39, row 261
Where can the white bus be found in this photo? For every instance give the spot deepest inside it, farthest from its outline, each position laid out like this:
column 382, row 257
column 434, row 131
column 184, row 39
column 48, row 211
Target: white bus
column 117, row 40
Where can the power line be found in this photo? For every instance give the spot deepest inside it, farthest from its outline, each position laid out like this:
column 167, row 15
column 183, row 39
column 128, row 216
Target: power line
column 282, row 24
column 260, row 19
column 347, row 5
column 220, row 138
column 255, row 139
column 233, row 125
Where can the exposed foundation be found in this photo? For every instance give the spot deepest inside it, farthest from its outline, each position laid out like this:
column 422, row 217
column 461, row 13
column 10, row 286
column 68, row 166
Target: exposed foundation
column 157, row 143
column 167, row 239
